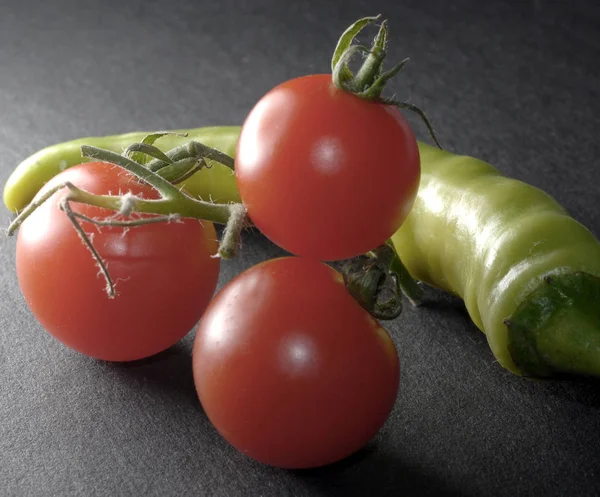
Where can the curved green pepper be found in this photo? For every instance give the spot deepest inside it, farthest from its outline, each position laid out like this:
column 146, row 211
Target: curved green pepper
column 215, row 183
column 526, row 270
column 529, row 274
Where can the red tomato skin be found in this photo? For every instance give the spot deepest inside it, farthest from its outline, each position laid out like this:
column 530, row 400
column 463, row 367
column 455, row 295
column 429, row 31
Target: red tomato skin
column 164, row 273
column 290, row 369
column 323, row 173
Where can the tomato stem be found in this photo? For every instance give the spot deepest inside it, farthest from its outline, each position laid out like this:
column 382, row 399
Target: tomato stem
column 554, row 331
column 230, row 241
column 66, row 208
column 193, row 149
column 111, row 221
column 73, row 216
column 420, row 113
column 372, row 65
column 173, row 204
column 370, row 80
column 32, row 206
column 141, row 149
column 166, row 189
column 343, row 45
column 181, row 170
column 149, row 139
column 341, row 75
column 173, row 200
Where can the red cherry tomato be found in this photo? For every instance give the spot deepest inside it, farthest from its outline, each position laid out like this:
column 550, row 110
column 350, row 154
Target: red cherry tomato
column 324, row 173
column 290, row 369
column 164, row 273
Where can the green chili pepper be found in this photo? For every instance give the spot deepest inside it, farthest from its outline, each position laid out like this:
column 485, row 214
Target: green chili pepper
column 529, row 274
column 215, row 182
column 527, row 271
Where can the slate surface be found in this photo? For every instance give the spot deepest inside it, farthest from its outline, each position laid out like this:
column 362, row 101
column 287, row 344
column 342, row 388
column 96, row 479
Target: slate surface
column 515, row 83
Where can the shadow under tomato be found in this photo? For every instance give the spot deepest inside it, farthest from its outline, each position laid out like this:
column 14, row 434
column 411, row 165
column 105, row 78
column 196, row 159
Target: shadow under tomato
column 375, row 472
column 176, row 350
column 169, row 372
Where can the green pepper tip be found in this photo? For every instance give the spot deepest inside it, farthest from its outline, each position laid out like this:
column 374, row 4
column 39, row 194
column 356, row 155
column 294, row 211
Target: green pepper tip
column 555, row 331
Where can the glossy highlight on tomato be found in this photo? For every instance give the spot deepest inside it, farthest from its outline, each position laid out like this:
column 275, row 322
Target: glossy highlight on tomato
column 290, row 369
column 323, row 173
column 164, row 272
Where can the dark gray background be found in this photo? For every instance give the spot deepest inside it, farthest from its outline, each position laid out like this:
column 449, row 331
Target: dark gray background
column 513, row 82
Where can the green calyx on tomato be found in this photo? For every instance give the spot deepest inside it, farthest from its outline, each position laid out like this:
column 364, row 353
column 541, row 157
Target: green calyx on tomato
column 369, row 81
column 377, row 281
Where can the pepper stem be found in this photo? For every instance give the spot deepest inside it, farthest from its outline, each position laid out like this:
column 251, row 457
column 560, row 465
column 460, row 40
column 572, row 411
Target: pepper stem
column 555, row 330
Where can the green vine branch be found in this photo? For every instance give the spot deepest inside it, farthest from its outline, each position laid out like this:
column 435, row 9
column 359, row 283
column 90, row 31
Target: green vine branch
column 172, row 205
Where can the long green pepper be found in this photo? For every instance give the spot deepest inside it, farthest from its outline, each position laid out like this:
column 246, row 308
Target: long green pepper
column 511, row 252
column 216, row 182
column 529, row 274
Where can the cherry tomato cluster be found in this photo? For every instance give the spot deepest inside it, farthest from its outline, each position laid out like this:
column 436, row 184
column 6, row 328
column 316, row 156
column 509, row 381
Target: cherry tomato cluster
column 288, row 366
